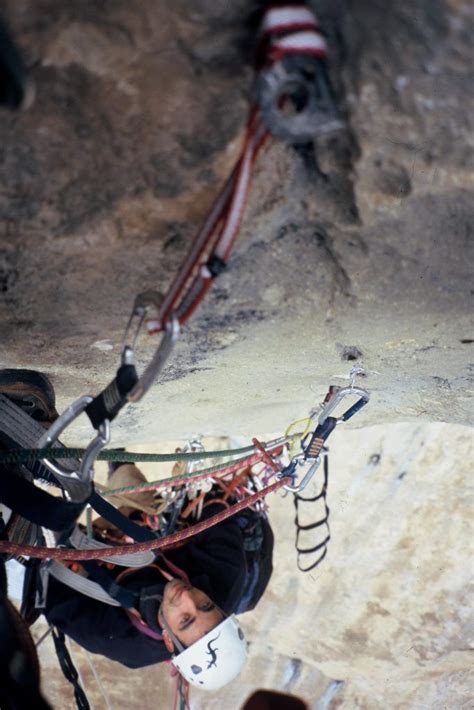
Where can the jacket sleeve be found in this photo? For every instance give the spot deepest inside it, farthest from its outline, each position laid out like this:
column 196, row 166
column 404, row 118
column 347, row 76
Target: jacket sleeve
column 219, row 552
column 262, row 560
column 228, row 539
column 101, row 628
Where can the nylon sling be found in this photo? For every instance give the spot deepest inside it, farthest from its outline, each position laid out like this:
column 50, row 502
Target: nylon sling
column 36, row 505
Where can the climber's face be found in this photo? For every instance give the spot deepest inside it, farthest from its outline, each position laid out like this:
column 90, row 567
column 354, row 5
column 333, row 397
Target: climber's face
column 189, row 613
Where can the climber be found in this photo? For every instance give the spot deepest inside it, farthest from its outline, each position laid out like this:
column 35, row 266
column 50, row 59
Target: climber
column 182, row 606
column 188, row 593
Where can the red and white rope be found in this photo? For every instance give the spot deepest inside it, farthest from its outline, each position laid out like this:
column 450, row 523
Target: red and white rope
column 285, row 30
column 287, row 18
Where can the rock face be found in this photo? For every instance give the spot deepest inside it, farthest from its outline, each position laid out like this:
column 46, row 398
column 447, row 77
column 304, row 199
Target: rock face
column 355, row 251
column 365, row 243
column 390, row 603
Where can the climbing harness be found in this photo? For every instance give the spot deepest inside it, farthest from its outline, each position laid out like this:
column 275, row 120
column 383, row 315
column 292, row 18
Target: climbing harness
column 286, row 477
column 56, row 553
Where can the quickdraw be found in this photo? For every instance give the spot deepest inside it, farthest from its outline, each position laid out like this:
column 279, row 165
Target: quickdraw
column 313, row 443
column 313, row 446
column 289, row 44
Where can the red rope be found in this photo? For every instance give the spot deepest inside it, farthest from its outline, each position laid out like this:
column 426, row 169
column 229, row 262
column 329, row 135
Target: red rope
column 59, row 553
column 285, row 31
column 217, row 234
column 267, row 457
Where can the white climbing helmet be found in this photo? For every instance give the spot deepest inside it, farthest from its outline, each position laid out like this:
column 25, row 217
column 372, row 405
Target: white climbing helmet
column 216, row 659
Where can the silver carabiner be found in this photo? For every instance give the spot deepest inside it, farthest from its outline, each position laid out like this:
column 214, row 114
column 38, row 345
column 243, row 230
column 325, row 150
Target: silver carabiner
column 363, row 395
column 143, row 302
column 307, row 477
column 51, row 436
column 194, row 445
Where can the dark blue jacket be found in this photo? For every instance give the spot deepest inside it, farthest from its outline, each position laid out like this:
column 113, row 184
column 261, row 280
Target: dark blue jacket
column 215, row 561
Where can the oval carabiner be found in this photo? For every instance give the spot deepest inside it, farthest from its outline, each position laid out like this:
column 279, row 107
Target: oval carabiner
column 307, row 478
column 363, row 395
column 51, row 436
column 157, row 363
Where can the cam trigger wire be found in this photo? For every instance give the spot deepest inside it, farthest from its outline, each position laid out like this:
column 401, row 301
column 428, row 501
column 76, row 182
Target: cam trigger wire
column 321, row 547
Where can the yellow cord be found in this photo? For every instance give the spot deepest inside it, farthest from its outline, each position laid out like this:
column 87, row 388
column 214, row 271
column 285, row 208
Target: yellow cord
column 297, row 437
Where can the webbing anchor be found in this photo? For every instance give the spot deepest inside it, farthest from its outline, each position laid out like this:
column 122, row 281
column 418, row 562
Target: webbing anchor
column 303, row 83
